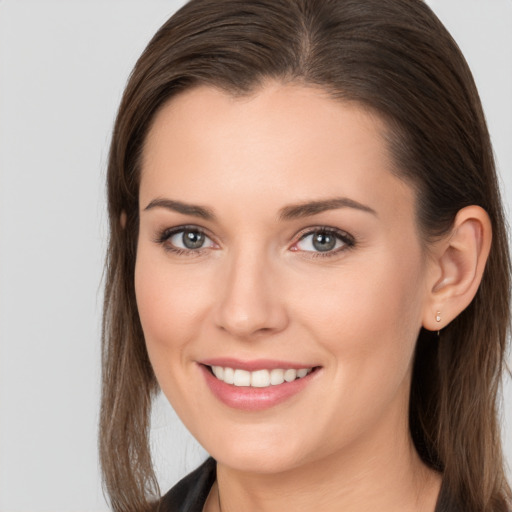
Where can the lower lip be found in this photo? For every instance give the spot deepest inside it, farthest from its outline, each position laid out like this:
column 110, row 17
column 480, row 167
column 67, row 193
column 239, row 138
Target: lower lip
column 254, row 399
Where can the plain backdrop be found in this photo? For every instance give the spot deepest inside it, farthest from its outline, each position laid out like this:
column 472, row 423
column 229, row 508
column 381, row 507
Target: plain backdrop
column 63, row 65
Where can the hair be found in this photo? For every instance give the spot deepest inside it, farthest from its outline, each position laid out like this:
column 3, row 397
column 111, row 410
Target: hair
column 396, row 59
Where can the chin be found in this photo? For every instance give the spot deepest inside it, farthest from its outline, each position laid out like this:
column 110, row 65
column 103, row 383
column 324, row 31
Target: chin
column 251, row 455
column 262, row 463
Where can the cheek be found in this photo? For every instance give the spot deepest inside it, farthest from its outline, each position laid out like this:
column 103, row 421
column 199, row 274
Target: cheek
column 169, row 304
column 370, row 316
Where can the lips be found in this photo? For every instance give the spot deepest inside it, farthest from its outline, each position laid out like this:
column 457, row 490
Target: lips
column 258, row 385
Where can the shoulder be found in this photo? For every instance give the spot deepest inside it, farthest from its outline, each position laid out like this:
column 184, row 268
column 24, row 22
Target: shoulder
column 190, row 493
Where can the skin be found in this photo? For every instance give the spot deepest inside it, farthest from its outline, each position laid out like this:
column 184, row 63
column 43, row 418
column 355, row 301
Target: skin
column 256, row 290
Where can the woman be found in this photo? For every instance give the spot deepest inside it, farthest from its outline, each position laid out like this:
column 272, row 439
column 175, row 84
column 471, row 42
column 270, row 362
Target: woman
column 308, row 257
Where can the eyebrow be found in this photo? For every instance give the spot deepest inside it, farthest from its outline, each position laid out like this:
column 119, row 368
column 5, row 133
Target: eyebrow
column 184, row 208
column 290, row 212
column 314, row 207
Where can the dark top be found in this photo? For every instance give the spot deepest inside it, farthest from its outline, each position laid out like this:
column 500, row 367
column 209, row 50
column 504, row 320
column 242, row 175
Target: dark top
column 190, row 493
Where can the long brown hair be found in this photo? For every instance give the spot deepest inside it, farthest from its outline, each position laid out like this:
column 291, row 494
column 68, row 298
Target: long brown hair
column 395, row 58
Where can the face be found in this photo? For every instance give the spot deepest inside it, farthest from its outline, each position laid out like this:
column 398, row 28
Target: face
column 280, row 278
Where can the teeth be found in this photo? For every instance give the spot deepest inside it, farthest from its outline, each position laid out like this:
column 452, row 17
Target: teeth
column 302, row 373
column 229, row 375
column 276, row 377
column 242, row 378
column 218, row 371
column 258, row 378
column 290, row 375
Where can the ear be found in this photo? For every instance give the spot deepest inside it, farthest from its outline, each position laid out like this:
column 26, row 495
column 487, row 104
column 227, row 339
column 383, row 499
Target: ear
column 122, row 219
column 457, row 266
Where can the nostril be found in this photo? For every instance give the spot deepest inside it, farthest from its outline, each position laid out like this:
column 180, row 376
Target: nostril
column 251, row 317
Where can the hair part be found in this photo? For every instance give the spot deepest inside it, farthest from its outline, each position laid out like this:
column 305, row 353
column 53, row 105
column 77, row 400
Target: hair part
column 395, row 58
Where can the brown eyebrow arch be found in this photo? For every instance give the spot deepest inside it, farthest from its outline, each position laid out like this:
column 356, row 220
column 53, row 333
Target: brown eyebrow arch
column 314, row 207
column 184, row 208
column 290, row 212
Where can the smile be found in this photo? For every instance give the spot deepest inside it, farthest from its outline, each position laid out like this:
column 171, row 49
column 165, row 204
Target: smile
column 259, row 378
column 256, row 385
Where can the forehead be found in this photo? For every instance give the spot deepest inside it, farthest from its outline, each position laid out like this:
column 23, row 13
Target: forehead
column 282, row 143
column 270, row 107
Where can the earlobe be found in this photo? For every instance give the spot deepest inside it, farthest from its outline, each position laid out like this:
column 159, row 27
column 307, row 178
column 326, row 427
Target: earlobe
column 459, row 262
column 122, row 219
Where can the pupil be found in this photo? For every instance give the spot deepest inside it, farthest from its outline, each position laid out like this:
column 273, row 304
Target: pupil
column 193, row 239
column 324, row 242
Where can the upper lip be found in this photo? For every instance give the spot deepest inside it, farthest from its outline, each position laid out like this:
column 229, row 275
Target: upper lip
column 253, row 365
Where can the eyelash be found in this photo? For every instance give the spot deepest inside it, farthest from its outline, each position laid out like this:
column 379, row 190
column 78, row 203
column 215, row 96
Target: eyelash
column 347, row 240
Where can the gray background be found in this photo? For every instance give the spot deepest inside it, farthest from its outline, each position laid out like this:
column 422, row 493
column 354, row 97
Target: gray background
column 63, row 65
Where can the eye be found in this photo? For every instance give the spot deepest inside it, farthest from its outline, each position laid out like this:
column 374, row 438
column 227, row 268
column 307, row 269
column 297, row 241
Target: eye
column 324, row 240
column 188, row 239
column 185, row 239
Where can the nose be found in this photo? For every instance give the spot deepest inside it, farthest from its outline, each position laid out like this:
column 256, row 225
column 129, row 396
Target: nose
column 250, row 302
